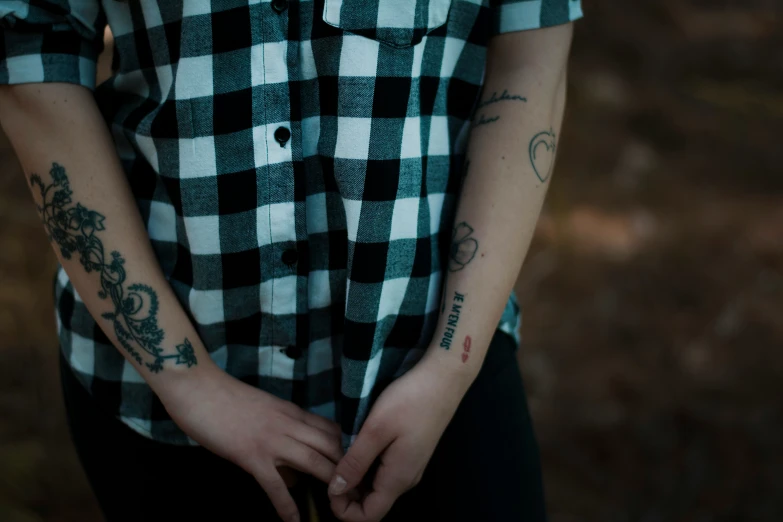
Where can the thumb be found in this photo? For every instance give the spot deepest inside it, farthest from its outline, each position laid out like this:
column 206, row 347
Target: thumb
column 351, row 469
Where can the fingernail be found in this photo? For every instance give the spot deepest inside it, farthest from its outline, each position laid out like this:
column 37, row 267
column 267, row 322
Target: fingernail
column 337, row 486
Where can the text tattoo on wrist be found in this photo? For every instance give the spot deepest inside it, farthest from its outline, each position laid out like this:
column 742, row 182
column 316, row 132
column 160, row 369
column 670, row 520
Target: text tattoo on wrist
column 452, row 320
column 494, row 98
column 135, row 312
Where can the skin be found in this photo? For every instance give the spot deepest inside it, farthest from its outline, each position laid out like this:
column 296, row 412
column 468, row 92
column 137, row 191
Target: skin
column 264, row 435
column 504, row 184
column 267, row 436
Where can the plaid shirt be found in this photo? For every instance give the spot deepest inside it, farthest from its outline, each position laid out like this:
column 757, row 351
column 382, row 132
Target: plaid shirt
column 296, row 164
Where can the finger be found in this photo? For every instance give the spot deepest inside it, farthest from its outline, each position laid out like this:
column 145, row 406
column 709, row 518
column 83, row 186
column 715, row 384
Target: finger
column 340, row 502
column 372, row 509
column 316, row 421
column 320, row 441
column 278, row 494
column 307, row 460
column 370, row 442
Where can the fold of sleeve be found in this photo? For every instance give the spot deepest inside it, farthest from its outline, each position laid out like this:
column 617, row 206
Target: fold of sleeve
column 522, row 15
column 50, row 41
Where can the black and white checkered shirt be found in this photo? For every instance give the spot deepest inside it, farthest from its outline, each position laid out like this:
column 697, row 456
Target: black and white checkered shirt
column 296, row 165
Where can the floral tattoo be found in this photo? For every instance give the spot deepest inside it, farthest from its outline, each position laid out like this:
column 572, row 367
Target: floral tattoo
column 134, row 318
column 463, row 247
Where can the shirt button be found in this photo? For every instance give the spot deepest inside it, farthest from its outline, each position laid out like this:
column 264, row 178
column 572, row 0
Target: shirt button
column 281, row 135
column 290, row 257
column 294, row 352
column 279, row 5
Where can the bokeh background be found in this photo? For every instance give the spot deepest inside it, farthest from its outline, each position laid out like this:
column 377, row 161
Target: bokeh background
column 653, row 294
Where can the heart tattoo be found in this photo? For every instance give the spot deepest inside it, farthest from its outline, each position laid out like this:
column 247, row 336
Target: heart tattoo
column 542, row 154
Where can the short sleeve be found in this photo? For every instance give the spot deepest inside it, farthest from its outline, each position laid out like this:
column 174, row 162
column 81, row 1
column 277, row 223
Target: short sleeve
column 50, row 41
column 522, row 15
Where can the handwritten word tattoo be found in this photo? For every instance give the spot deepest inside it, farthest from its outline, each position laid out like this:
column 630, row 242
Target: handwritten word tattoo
column 485, row 121
column 463, row 247
column 493, row 99
column 466, row 349
column 452, row 320
column 135, row 313
column 542, row 154
column 504, row 96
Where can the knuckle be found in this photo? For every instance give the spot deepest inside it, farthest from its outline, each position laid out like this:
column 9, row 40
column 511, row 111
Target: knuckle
column 314, row 459
column 336, row 451
column 374, row 430
column 399, row 481
column 350, row 465
column 402, row 483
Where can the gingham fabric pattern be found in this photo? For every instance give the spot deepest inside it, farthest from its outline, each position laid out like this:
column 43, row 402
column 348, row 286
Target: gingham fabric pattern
column 296, row 164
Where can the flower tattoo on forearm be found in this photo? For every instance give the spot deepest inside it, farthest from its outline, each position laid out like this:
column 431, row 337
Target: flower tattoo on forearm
column 463, row 247
column 134, row 317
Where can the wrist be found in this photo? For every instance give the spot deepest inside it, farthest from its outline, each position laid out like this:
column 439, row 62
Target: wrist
column 448, row 368
column 177, row 385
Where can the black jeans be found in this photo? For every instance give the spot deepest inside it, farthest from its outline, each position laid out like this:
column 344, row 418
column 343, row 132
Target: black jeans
column 485, row 468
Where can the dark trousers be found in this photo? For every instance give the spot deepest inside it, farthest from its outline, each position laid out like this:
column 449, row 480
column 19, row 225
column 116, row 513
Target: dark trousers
column 485, row 468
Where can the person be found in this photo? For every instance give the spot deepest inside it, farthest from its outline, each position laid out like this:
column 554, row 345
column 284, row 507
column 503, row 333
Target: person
column 287, row 235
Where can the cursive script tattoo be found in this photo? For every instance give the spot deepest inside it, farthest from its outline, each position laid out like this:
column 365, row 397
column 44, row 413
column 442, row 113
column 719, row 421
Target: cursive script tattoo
column 463, row 247
column 135, row 313
column 466, row 349
column 542, row 154
column 493, row 99
column 452, row 320
column 485, row 121
column 504, row 96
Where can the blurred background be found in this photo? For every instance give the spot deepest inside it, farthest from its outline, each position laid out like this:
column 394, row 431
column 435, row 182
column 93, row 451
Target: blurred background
column 653, row 294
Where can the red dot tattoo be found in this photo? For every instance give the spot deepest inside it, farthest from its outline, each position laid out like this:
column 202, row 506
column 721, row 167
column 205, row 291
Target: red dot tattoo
column 466, row 349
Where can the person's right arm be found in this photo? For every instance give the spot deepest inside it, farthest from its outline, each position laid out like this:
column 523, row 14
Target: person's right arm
column 97, row 233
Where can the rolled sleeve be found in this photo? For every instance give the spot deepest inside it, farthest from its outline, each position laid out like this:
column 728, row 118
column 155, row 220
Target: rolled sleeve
column 50, row 41
column 523, row 15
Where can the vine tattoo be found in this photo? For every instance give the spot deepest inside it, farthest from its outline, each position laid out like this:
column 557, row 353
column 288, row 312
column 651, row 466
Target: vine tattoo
column 135, row 312
column 542, row 154
column 463, row 247
column 493, row 99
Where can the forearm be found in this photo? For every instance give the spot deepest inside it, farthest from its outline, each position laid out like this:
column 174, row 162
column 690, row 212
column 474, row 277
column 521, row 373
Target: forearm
column 96, row 230
column 508, row 167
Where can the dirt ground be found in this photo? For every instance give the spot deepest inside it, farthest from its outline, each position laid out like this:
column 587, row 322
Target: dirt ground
column 653, row 294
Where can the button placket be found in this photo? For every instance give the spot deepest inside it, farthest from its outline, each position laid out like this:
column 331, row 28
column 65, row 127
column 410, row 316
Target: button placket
column 278, row 135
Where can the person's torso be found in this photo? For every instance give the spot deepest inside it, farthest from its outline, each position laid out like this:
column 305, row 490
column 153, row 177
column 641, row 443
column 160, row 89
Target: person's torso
column 296, row 165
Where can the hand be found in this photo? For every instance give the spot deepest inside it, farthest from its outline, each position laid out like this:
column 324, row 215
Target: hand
column 257, row 431
column 403, row 429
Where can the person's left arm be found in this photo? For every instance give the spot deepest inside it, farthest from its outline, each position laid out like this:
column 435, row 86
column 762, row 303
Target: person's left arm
column 509, row 164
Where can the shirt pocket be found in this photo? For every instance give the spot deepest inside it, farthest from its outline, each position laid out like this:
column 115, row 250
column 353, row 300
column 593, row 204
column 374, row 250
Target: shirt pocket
column 398, row 23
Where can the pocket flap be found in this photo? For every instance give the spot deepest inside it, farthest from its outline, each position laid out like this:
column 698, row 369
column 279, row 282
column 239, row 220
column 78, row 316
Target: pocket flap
column 399, row 23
